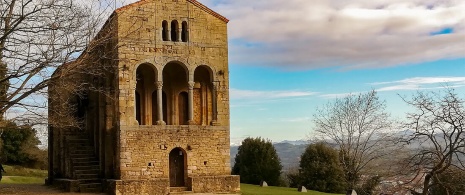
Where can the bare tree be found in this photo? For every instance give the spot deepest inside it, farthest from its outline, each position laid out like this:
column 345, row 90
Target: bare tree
column 438, row 135
column 36, row 37
column 358, row 125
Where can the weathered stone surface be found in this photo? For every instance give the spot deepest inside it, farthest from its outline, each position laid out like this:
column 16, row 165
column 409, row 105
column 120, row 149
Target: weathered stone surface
column 263, row 184
column 135, row 134
column 302, row 189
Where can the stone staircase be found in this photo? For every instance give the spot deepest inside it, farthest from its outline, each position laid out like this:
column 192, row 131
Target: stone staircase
column 85, row 165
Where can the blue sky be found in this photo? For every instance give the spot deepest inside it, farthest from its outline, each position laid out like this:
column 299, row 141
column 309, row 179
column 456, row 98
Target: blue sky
column 286, row 58
column 279, row 104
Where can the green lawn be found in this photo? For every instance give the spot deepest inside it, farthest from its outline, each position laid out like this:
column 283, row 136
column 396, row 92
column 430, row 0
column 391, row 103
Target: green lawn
column 22, row 180
column 247, row 189
column 21, row 175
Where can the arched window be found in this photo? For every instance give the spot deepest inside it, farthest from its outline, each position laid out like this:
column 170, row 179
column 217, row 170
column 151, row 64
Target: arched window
column 165, row 31
column 184, row 32
column 174, row 31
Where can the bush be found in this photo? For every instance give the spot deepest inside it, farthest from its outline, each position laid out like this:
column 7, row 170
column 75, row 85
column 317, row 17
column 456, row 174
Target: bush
column 320, row 169
column 20, row 146
column 257, row 160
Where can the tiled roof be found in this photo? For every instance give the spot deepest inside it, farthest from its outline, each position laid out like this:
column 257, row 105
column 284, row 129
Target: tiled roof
column 195, row 2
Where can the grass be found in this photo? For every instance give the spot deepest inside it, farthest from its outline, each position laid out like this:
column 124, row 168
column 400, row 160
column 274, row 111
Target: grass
column 247, row 189
column 21, row 175
column 22, row 180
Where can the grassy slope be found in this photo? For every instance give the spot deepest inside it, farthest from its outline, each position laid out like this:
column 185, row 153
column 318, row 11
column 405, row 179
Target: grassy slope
column 247, row 189
column 20, row 175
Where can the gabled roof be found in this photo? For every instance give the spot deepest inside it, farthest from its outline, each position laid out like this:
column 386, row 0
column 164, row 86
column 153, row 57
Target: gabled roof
column 194, row 2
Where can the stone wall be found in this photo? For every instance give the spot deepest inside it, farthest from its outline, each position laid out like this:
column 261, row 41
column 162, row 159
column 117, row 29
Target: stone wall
column 140, row 187
column 145, row 150
column 212, row 184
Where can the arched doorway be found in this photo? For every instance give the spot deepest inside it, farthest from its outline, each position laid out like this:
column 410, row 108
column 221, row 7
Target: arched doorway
column 177, row 159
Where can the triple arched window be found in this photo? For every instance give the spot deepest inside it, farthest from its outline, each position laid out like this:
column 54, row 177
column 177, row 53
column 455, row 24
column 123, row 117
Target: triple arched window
column 172, row 32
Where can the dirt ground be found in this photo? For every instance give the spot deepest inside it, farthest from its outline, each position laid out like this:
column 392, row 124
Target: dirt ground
column 33, row 189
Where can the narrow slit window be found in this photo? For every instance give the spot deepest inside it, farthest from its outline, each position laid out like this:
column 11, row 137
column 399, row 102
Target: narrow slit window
column 174, row 31
column 184, row 32
column 165, row 31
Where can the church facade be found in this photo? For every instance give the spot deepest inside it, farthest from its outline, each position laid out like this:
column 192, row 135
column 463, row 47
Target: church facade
column 150, row 103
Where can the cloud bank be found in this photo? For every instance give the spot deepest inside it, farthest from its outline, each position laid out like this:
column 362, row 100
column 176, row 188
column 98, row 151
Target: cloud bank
column 352, row 34
column 254, row 95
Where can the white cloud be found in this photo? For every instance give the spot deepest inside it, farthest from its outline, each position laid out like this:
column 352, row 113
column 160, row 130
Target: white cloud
column 296, row 120
column 251, row 94
column 338, row 95
column 303, row 34
column 419, row 83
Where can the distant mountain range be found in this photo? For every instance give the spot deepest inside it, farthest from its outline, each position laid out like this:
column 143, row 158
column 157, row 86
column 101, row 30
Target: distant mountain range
column 288, row 151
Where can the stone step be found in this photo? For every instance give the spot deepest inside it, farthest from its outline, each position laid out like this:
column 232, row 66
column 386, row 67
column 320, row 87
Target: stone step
column 88, row 155
column 87, row 163
column 77, row 140
column 178, row 189
column 77, row 145
column 87, row 181
column 87, row 176
column 84, row 159
column 77, row 152
column 182, row 192
column 80, row 146
column 86, row 167
column 87, row 171
column 91, row 188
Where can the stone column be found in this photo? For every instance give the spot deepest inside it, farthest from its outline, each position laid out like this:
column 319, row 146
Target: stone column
column 191, row 102
column 159, row 85
column 214, row 104
column 135, row 122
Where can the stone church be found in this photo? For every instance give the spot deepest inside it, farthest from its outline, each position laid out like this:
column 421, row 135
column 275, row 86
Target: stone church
column 145, row 108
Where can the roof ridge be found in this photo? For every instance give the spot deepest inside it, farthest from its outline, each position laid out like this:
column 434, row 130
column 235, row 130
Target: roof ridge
column 195, row 2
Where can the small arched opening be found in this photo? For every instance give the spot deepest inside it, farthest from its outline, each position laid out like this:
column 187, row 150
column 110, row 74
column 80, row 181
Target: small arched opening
column 174, row 31
column 184, row 32
column 165, row 31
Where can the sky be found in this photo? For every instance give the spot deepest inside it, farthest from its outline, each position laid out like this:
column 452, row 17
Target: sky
column 287, row 58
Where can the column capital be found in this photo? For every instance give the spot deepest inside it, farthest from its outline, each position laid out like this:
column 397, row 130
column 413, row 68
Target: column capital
column 159, row 85
column 191, row 85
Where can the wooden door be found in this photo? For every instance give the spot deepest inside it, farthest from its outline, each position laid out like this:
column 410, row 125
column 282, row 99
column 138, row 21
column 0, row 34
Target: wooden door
column 177, row 168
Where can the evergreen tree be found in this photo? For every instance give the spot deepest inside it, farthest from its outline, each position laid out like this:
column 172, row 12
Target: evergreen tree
column 320, row 169
column 257, row 160
column 19, row 144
